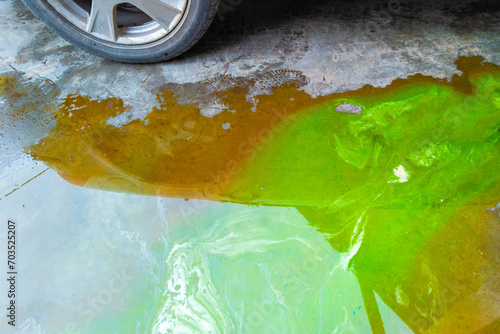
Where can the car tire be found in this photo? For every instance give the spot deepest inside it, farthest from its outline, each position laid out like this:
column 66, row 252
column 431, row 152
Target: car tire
column 149, row 41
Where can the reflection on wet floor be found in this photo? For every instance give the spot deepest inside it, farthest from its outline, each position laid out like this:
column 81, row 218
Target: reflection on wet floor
column 400, row 179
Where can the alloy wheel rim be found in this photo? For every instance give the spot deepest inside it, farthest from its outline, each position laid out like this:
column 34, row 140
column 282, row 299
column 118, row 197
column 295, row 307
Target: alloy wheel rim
column 146, row 20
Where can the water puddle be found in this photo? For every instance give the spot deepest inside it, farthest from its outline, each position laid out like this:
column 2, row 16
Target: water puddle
column 401, row 180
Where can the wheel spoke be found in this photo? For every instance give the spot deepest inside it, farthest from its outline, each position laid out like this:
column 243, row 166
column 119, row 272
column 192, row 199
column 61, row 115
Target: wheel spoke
column 102, row 19
column 162, row 11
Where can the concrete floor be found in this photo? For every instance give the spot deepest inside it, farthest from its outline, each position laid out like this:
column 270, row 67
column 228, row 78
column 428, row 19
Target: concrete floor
column 325, row 46
column 338, row 45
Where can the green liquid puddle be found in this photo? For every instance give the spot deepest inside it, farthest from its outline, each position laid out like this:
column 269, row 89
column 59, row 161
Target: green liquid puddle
column 399, row 187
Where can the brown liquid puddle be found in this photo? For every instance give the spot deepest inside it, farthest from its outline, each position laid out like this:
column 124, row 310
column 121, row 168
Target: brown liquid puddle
column 176, row 151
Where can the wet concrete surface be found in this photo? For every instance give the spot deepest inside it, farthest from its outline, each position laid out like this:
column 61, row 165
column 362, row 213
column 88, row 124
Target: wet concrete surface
column 260, row 60
column 338, row 45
